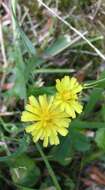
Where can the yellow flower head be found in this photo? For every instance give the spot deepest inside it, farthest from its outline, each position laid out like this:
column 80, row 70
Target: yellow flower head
column 47, row 120
column 67, row 95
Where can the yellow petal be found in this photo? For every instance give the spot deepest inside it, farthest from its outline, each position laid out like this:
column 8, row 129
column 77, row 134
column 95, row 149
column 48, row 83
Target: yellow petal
column 66, row 83
column 62, row 131
column 69, row 109
column 77, row 88
column 53, row 136
column 33, row 127
column 73, row 81
column 51, row 103
column 45, row 142
column 30, row 128
column 43, row 101
column 52, row 139
column 37, row 135
column 58, row 85
column 63, row 122
column 33, row 101
column 26, row 116
column 32, row 109
column 56, row 140
column 77, row 106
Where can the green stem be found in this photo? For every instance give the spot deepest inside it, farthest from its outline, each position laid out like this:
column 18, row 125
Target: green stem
column 51, row 172
column 92, row 84
column 87, row 87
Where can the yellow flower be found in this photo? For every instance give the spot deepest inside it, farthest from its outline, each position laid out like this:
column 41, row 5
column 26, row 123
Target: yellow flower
column 67, row 95
column 47, row 120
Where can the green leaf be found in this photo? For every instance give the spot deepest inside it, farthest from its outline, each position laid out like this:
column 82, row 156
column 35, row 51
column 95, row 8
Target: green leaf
column 27, row 43
column 24, row 188
column 80, row 142
column 103, row 112
column 58, row 46
column 95, row 96
column 75, row 141
column 19, row 83
column 24, row 171
column 78, row 124
column 31, row 64
column 22, row 36
column 69, row 183
column 41, row 90
column 100, row 138
column 19, row 89
column 18, row 76
column 63, row 153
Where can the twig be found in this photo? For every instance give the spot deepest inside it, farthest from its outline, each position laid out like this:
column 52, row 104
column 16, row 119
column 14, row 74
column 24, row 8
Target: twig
column 9, row 113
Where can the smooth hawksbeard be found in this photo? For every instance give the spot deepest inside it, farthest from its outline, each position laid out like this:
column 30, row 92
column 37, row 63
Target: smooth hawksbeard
column 47, row 120
column 67, row 95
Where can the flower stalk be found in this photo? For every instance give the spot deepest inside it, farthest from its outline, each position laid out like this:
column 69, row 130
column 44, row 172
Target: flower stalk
column 51, row 172
column 93, row 84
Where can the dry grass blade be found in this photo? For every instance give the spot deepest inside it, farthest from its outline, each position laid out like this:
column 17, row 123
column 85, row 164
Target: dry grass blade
column 3, row 55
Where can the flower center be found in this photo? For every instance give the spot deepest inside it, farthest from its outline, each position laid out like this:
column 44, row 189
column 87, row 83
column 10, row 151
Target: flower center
column 66, row 95
column 46, row 119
